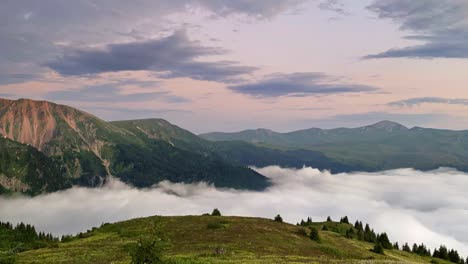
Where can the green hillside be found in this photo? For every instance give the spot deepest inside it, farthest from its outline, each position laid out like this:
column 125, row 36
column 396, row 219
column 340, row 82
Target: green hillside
column 382, row 146
column 217, row 239
column 25, row 169
column 234, row 152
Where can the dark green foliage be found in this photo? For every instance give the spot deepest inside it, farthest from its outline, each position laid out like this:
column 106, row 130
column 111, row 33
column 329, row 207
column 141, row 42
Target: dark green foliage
column 23, row 237
column 172, row 153
column 396, row 246
column 314, row 234
column 384, row 241
column 350, row 233
column 324, row 228
column 216, row 225
column 406, row 248
column 278, row 218
column 308, row 222
column 216, row 212
column 92, row 171
column 147, row 251
column 150, row 247
column 358, row 225
column 329, row 219
column 378, row 248
column 157, row 161
column 7, row 258
column 421, row 250
column 369, row 234
column 26, row 164
column 451, row 255
column 344, row 220
column 248, row 154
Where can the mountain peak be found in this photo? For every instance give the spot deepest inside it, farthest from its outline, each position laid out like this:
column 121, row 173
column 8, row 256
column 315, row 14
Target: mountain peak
column 387, row 125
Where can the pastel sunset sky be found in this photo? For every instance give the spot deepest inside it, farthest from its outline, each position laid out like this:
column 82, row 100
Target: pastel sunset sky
column 229, row 65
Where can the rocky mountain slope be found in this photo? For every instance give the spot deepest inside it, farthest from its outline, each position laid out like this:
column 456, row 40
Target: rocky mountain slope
column 89, row 149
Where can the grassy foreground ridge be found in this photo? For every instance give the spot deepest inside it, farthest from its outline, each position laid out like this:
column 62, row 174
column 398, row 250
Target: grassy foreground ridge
column 220, row 239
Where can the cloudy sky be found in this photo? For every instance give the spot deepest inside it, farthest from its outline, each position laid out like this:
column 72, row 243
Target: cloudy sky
column 223, row 65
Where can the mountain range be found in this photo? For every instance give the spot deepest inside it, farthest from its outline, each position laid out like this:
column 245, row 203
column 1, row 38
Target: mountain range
column 381, row 146
column 48, row 147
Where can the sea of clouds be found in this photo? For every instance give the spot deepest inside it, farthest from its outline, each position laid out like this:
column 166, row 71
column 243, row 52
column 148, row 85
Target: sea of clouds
column 410, row 205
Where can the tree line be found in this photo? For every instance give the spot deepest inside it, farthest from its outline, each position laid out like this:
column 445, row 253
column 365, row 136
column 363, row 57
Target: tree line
column 382, row 242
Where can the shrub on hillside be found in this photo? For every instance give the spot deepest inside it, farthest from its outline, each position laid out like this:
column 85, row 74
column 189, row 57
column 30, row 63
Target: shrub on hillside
column 278, row 218
column 302, row 231
column 216, row 212
column 147, row 251
column 378, row 248
column 314, row 234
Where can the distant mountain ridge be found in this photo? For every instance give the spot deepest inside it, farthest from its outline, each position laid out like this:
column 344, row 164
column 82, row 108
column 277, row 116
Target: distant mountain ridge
column 262, row 134
column 381, row 146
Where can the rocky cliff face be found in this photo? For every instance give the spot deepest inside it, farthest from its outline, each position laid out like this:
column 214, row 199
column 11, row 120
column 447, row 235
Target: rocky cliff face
column 73, row 136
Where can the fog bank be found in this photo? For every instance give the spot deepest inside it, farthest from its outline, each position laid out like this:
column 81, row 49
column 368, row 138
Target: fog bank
column 411, row 206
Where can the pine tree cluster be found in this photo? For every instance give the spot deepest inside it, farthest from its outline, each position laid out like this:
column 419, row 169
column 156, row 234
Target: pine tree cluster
column 381, row 241
column 23, row 237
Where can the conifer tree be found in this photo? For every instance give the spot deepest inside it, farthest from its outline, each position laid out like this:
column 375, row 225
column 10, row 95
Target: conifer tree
column 406, row 248
column 350, row 233
column 344, row 220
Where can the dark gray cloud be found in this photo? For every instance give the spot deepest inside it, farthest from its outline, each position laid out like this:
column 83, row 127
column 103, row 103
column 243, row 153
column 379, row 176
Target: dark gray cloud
column 299, row 84
column 33, row 32
column 333, row 5
column 172, row 56
column 111, row 93
column 440, row 24
column 429, row 100
column 259, row 8
column 427, row 51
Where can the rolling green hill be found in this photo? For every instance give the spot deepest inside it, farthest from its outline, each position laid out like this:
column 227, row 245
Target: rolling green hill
column 382, row 146
column 217, row 239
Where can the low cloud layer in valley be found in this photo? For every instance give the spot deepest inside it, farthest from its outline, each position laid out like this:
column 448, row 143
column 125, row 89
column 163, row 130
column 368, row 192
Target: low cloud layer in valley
column 412, row 206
